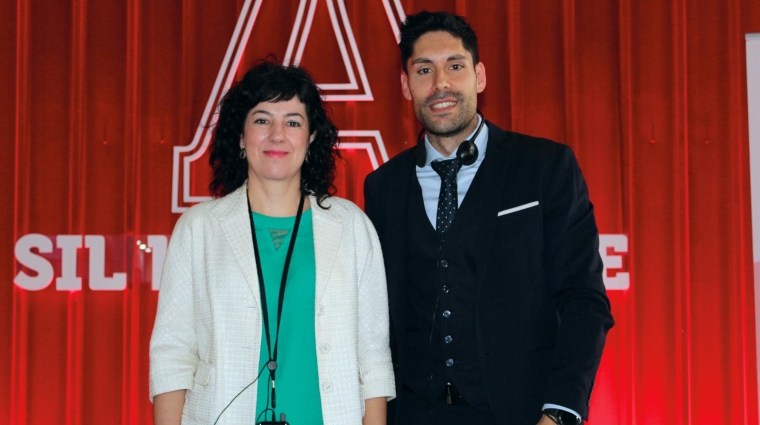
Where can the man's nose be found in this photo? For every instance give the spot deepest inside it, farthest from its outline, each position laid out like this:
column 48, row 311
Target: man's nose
column 441, row 81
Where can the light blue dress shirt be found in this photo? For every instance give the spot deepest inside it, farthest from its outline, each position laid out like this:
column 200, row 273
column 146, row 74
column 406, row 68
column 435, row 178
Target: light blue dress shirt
column 430, row 182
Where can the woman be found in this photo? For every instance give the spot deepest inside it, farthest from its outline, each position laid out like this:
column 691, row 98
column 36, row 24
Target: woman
column 223, row 316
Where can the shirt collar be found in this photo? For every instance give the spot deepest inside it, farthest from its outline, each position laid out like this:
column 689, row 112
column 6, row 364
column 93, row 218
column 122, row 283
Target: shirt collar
column 432, row 154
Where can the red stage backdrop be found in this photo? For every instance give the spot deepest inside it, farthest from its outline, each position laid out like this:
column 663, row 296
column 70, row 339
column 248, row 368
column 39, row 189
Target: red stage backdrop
column 103, row 113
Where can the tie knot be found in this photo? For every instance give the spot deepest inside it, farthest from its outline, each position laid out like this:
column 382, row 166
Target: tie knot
column 446, row 168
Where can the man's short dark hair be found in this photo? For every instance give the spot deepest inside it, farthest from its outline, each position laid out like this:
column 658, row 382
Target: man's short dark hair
column 415, row 26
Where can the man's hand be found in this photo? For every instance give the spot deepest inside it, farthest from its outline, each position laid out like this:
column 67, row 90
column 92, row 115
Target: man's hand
column 546, row 421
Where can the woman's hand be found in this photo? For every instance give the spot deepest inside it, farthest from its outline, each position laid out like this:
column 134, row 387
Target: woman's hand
column 167, row 408
column 375, row 411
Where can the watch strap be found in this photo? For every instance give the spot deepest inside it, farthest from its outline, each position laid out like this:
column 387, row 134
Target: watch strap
column 562, row 417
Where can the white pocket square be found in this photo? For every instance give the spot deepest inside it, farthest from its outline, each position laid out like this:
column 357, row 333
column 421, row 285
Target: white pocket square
column 518, row 208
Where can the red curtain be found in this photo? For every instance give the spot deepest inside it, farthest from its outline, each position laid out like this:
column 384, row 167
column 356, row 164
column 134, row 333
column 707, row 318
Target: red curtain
column 650, row 94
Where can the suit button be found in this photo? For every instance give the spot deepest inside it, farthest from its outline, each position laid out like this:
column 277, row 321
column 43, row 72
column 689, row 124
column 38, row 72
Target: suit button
column 444, row 263
column 325, row 348
column 445, row 289
column 446, row 313
column 448, row 339
column 450, row 362
column 321, row 310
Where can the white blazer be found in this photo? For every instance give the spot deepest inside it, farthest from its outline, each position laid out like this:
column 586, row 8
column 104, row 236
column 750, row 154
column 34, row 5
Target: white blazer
column 207, row 334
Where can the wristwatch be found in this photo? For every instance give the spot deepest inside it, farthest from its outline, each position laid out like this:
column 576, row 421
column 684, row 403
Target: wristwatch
column 562, row 417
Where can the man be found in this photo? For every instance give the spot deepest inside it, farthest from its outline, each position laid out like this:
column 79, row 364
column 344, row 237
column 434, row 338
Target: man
column 498, row 310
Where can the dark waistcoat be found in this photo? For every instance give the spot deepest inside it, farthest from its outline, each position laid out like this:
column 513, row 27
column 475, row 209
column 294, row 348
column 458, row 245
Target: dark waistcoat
column 441, row 331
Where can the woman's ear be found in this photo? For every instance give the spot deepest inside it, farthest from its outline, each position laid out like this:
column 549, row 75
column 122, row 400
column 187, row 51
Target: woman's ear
column 312, row 137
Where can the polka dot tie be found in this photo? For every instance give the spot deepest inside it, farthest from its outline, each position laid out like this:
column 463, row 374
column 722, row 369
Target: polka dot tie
column 447, row 198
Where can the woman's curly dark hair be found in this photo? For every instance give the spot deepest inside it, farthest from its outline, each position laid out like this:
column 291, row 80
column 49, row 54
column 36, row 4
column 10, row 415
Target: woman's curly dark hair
column 270, row 82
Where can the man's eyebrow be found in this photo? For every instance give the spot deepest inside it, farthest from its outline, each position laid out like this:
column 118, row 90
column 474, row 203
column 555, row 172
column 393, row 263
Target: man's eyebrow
column 456, row 57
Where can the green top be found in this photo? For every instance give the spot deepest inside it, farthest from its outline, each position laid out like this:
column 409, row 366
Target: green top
column 297, row 385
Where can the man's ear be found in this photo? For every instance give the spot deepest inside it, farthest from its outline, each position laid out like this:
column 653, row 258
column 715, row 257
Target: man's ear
column 480, row 73
column 405, row 86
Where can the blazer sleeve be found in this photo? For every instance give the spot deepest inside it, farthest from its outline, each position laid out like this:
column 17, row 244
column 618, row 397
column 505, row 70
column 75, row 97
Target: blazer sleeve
column 173, row 344
column 376, row 370
column 573, row 270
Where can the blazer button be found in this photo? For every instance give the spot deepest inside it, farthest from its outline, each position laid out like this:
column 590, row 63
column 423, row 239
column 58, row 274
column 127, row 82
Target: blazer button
column 444, row 263
column 448, row 339
column 450, row 362
column 446, row 314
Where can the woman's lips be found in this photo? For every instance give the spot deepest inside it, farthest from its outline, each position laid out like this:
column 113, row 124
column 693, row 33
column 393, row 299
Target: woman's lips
column 275, row 154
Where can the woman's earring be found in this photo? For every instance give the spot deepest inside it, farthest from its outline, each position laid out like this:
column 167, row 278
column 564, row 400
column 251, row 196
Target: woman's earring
column 242, row 153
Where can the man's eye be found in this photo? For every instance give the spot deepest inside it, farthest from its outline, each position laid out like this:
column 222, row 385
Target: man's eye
column 423, row 71
column 457, row 66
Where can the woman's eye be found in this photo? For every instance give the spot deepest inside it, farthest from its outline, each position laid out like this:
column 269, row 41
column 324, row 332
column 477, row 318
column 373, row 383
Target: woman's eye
column 294, row 123
column 259, row 121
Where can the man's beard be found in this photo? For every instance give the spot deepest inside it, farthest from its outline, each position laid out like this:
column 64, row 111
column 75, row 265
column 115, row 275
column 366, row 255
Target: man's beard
column 449, row 127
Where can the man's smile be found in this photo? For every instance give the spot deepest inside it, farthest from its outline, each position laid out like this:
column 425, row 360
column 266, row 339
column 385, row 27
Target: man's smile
column 442, row 102
column 442, row 105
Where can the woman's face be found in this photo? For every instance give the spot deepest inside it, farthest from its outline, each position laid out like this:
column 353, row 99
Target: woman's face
column 275, row 138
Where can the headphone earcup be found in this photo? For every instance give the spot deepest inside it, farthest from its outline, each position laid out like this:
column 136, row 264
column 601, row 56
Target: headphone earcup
column 467, row 152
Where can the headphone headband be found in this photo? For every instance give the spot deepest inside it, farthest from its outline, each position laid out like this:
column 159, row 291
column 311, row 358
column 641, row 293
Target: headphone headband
column 467, row 151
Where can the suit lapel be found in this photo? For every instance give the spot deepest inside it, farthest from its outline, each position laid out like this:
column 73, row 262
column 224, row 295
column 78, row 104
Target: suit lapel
column 492, row 177
column 232, row 213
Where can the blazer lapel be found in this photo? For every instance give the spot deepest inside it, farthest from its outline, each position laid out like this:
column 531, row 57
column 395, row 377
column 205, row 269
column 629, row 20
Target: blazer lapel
column 232, row 213
column 328, row 230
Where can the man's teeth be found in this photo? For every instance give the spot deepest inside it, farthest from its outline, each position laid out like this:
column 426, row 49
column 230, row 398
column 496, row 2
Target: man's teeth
column 443, row 105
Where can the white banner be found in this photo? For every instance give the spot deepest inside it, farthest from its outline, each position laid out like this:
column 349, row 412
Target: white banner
column 753, row 96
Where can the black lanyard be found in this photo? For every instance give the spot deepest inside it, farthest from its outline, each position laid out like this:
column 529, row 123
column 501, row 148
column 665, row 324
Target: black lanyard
column 272, row 363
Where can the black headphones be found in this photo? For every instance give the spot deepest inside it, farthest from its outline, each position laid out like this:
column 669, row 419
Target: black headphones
column 467, row 151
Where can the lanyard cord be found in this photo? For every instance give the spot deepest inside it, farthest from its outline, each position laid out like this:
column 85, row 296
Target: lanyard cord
column 272, row 363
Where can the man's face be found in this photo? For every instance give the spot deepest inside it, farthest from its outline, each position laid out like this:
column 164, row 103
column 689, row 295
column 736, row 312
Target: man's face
column 443, row 83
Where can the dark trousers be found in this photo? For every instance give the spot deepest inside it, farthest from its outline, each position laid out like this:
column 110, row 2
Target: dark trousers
column 415, row 410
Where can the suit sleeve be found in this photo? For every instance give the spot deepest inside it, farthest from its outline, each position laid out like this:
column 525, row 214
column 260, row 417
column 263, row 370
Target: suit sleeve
column 371, row 199
column 574, row 274
column 173, row 344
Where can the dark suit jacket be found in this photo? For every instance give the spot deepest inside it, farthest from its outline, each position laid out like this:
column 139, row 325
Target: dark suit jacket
column 542, row 310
